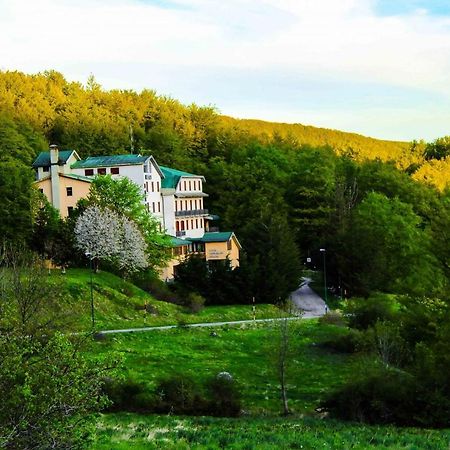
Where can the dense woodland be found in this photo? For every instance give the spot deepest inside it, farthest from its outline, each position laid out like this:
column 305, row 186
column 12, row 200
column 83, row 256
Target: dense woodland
column 380, row 209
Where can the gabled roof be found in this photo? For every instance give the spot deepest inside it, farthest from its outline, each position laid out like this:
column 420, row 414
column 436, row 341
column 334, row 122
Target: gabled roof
column 76, row 177
column 217, row 236
column 172, row 177
column 177, row 242
column 107, row 161
column 67, row 175
column 43, row 159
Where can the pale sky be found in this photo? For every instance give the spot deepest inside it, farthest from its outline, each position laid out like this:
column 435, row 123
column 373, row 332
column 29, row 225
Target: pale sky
column 376, row 67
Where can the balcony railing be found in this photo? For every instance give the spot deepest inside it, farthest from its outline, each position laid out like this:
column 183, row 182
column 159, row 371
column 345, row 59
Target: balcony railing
column 181, row 233
column 191, row 212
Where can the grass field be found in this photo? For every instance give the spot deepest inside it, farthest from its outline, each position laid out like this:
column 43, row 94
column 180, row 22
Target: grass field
column 124, row 431
column 247, row 352
column 119, row 304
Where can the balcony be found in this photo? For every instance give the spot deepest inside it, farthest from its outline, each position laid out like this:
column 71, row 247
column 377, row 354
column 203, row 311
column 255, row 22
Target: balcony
column 181, row 233
column 191, row 212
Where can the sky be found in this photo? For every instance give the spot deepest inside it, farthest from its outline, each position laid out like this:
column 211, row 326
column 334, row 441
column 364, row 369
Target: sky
column 376, row 67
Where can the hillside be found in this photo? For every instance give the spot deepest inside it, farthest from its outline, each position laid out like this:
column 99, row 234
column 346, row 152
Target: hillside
column 91, row 119
column 121, row 304
column 355, row 145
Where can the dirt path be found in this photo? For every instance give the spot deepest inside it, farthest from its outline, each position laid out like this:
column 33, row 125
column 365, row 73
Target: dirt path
column 308, row 301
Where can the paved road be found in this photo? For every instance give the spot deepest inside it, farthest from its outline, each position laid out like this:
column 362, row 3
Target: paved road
column 192, row 325
column 308, row 301
column 304, row 298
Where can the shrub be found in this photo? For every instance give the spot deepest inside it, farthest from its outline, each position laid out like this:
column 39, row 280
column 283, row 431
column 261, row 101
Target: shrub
column 363, row 313
column 195, row 302
column 224, row 395
column 128, row 395
column 180, row 394
column 352, row 342
column 332, row 318
column 383, row 396
column 150, row 283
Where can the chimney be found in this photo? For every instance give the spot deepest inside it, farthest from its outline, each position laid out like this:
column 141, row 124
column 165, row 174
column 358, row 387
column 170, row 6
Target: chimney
column 54, row 174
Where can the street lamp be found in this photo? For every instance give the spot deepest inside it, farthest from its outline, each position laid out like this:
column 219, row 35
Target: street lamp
column 324, row 251
column 89, row 255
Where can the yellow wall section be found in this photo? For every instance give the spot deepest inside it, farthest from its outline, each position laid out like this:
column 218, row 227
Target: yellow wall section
column 219, row 251
column 80, row 189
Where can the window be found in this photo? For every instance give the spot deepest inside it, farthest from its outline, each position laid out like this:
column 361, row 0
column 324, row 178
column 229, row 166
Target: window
column 159, row 207
column 115, row 171
column 190, row 187
column 89, row 172
column 153, row 207
column 69, row 191
column 70, row 211
column 182, row 225
column 195, row 204
column 153, row 186
column 101, row 171
column 157, row 186
column 185, row 185
column 229, row 245
column 192, row 224
column 45, row 169
column 176, row 205
column 177, row 226
column 190, row 202
column 196, row 223
column 41, row 191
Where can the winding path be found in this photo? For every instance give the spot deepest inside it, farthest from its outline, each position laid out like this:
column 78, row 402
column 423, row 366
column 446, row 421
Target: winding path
column 308, row 301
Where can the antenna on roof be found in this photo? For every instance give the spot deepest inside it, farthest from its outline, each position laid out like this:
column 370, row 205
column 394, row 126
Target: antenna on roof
column 131, row 140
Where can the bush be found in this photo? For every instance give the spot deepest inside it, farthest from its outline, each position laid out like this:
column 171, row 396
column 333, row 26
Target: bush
column 384, row 396
column 128, row 395
column 225, row 398
column 195, row 302
column 352, row 342
column 150, row 283
column 363, row 313
column 180, row 395
column 332, row 318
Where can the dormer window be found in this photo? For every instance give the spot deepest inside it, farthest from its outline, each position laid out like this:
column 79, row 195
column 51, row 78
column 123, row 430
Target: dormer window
column 88, row 172
column 45, row 169
column 115, row 171
column 101, row 171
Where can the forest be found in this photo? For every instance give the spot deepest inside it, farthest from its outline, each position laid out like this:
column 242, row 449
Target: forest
column 380, row 209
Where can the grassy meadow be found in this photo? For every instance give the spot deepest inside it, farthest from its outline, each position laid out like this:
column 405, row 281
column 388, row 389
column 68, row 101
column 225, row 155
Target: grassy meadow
column 120, row 304
column 248, row 352
column 124, row 431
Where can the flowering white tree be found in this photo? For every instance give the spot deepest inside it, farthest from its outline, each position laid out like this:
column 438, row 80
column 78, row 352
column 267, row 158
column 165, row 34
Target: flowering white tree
column 108, row 236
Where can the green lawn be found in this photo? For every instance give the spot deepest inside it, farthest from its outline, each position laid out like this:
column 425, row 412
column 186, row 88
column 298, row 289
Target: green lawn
column 247, row 352
column 124, row 431
column 119, row 304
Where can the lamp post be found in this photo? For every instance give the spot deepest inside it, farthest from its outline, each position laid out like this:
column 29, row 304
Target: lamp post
column 89, row 255
column 324, row 251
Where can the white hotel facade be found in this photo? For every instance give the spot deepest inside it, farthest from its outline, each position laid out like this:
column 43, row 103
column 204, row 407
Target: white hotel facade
column 175, row 198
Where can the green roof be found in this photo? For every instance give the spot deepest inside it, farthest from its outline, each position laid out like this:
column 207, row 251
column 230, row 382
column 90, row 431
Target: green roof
column 107, row 161
column 177, row 242
column 43, row 159
column 172, row 177
column 218, row 236
column 76, row 177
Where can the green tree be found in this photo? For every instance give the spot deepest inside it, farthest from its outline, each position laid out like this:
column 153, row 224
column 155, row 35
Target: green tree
column 387, row 250
column 16, row 206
